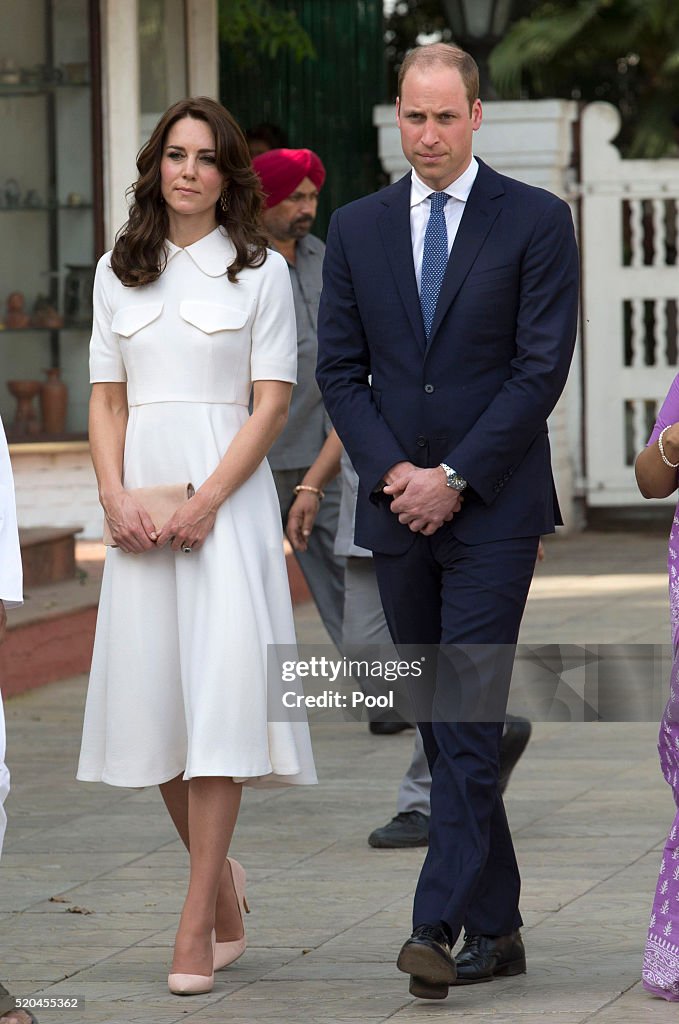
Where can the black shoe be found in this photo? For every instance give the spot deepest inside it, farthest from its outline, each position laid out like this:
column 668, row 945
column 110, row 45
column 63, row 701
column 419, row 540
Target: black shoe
column 484, row 957
column 389, row 728
column 422, row 989
column 512, row 745
column 427, row 956
column 408, row 828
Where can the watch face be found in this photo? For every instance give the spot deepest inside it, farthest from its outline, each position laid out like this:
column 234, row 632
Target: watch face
column 453, row 479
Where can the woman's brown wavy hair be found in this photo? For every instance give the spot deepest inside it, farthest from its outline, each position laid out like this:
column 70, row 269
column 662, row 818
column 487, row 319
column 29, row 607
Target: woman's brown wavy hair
column 139, row 254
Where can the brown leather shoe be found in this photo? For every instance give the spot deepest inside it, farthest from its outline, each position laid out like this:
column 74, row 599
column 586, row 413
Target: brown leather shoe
column 484, row 957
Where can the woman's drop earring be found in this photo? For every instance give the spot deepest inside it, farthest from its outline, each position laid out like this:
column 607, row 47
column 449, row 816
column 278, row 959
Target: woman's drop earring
column 224, row 200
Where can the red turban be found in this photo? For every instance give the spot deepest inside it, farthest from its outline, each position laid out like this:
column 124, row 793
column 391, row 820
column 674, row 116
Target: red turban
column 281, row 171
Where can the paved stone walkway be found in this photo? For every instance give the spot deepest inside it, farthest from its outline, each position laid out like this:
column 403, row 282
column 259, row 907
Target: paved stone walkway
column 92, row 878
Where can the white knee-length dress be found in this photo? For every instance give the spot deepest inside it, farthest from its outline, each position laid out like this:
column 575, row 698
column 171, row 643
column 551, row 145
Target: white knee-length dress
column 179, row 672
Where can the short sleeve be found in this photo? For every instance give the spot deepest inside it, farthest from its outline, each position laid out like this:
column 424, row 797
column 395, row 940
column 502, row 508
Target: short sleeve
column 669, row 411
column 106, row 361
column 273, row 354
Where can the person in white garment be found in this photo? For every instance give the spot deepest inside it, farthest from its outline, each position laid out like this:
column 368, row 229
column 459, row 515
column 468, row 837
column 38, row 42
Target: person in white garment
column 11, row 594
column 192, row 313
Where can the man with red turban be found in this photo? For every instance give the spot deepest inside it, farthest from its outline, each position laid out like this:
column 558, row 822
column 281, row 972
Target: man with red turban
column 291, row 180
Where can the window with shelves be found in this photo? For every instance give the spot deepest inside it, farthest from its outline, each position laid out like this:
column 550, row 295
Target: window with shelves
column 47, row 216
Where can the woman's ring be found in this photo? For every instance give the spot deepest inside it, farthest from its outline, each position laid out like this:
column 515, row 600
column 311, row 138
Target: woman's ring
column 186, row 548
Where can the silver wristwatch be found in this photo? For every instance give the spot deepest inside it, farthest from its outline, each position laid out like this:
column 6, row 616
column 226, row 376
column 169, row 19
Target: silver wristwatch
column 453, row 479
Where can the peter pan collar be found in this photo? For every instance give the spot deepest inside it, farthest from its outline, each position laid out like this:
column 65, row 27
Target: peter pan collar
column 212, row 253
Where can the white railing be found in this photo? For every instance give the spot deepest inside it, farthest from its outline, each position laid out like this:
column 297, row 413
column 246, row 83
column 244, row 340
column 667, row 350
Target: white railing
column 630, row 239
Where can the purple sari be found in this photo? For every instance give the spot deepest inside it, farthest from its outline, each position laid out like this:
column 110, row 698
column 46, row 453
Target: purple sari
column 661, row 956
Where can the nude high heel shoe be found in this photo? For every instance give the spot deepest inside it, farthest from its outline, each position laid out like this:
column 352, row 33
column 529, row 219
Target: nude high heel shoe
column 192, row 984
column 227, row 952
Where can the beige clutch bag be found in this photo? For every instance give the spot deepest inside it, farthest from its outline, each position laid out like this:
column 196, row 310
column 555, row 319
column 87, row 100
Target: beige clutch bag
column 160, row 502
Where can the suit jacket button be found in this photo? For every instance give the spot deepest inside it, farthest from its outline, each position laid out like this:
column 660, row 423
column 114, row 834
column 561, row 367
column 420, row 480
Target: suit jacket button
column 429, row 389
column 420, row 441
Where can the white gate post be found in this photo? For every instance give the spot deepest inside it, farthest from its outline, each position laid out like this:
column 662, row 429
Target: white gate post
column 630, row 239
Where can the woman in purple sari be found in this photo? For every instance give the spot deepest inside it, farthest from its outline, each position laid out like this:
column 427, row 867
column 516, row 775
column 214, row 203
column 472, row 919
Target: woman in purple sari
column 656, row 470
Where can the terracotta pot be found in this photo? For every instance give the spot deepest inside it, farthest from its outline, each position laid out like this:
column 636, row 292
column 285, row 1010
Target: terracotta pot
column 53, row 402
column 26, row 418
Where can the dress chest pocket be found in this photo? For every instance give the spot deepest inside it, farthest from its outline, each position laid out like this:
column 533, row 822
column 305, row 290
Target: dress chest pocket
column 211, row 318
column 131, row 319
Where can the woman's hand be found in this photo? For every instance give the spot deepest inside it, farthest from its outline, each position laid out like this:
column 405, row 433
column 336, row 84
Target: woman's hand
column 132, row 528
column 190, row 524
column 655, row 478
column 301, row 519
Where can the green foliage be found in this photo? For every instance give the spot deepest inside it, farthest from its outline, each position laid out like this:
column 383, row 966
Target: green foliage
column 532, row 44
column 252, row 28
column 623, row 51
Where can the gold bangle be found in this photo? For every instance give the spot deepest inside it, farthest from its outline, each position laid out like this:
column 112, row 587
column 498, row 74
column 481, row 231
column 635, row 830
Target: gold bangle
column 313, row 490
column 672, row 465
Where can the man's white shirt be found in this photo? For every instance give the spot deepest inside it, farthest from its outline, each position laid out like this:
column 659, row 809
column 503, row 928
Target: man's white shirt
column 420, row 205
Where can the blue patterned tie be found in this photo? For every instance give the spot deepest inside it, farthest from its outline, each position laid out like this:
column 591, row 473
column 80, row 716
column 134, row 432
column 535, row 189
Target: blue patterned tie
column 434, row 258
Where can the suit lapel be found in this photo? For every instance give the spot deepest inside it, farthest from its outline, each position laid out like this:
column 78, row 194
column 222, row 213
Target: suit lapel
column 481, row 209
column 394, row 227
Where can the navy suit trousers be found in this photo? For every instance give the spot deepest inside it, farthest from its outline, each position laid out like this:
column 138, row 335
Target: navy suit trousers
column 442, row 591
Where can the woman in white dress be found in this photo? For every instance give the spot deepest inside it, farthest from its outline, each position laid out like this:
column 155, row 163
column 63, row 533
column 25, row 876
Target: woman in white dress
column 191, row 314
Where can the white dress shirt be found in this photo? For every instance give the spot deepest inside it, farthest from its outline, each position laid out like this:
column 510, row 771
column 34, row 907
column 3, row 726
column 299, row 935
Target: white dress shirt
column 420, row 205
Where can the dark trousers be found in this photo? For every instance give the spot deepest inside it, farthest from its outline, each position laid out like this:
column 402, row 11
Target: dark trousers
column 442, row 591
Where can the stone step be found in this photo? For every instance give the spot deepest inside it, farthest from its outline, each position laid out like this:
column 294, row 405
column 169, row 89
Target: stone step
column 48, row 554
column 51, row 636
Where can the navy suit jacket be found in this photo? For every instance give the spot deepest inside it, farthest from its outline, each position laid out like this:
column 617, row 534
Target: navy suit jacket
column 478, row 394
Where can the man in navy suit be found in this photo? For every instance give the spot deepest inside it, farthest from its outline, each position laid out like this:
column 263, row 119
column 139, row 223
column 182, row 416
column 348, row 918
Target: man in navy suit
column 446, row 330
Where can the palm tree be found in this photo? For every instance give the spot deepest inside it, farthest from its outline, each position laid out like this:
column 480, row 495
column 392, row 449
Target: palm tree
column 623, row 51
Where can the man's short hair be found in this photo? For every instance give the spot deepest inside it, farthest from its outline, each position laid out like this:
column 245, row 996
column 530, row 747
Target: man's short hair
column 443, row 54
